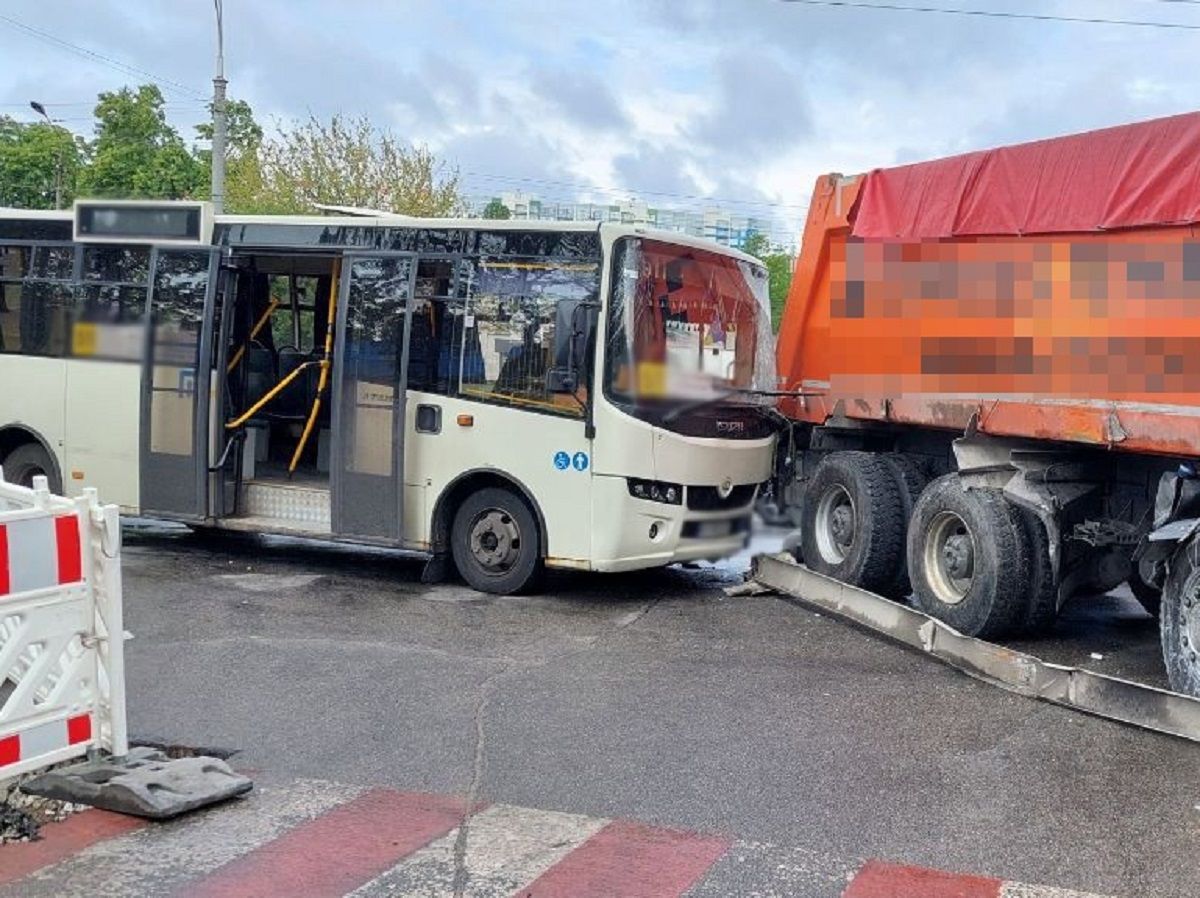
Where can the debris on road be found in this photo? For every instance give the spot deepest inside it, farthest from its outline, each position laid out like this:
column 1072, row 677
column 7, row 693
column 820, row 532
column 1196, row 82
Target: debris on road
column 22, row 815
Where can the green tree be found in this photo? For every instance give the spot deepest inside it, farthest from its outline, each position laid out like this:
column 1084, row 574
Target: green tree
column 780, row 264
column 756, row 244
column 345, row 162
column 243, row 143
column 34, row 160
column 496, row 209
column 136, row 152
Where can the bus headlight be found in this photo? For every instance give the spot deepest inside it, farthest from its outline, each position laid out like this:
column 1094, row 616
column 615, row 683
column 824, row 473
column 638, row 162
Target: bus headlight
column 656, row 491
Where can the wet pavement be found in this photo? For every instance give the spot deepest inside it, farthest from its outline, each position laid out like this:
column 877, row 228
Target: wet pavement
column 655, row 697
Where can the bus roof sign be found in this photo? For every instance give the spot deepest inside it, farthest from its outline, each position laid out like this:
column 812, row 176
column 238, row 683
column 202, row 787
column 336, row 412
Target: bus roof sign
column 143, row 221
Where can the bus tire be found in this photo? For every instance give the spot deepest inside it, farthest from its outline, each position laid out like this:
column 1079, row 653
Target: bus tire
column 1042, row 609
column 27, row 461
column 911, row 480
column 852, row 527
column 495, row 542
column 968, row 556
column 1179, row 621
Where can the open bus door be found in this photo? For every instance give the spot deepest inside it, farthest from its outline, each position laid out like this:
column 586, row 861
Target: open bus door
column 176, row 381
column 374, row 321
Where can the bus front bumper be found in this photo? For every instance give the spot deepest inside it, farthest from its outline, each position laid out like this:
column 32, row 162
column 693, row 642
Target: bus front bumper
column 654, row 534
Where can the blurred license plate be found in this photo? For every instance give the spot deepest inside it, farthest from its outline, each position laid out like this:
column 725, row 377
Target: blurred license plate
column 714, row 529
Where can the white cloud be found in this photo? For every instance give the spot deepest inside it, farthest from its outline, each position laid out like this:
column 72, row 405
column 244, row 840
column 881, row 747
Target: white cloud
column 749, row 100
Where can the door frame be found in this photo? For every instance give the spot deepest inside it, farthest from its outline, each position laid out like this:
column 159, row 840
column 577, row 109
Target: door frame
column 399, row 404
column 201, row 396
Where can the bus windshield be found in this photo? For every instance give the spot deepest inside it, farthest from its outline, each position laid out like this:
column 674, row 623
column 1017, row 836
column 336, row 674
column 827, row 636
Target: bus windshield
column 686, row 326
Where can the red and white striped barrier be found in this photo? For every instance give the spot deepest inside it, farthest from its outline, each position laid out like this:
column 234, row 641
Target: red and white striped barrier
column 40, row 553
column 62, row 688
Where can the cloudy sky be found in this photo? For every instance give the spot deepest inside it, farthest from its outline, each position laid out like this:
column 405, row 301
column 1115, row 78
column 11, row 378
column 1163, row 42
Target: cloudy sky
column 741, row 101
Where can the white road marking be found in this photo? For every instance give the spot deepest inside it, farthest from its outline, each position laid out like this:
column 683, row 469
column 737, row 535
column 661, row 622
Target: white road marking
column 506, row 848
column 1020, row 890
column 269, row 582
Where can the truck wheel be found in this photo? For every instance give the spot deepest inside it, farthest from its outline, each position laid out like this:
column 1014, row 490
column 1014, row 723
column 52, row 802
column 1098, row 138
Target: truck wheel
column 911, row 481
column 968, row 557
column 1179, row 621
column 27, row 461
column 494, row 541
column 1042, row 608
column 853, row 528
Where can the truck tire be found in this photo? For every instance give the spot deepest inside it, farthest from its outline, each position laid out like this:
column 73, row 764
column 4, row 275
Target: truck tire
column 1179, row 621
column 1042, row 608
column 968, row 557
column 911, row 480
column 853, row 527
column 27, row 461
column 494, row 541
column 1149, row 597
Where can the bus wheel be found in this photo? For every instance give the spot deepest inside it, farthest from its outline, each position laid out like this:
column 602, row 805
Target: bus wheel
column 852, row 527
column 494, row 541
column 27, row 461
column 1179, row 621
column 968, row 557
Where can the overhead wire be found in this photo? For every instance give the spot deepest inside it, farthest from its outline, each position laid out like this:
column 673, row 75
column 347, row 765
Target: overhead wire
column 996, row 14
column 101, row 58
column 598, row 188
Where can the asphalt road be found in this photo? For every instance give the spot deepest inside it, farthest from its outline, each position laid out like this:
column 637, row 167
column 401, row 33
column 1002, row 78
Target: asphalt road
column 653, row 697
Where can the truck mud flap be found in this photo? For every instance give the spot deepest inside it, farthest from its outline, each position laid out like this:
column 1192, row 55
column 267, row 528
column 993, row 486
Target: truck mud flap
column 1082, row 690
column 145, row 783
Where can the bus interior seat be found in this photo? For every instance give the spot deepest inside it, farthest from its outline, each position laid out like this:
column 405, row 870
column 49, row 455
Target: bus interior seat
column 260, row 372
column 294, row 400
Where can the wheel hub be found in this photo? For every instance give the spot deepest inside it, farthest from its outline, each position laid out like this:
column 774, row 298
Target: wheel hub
column 949, row 557
column 842, row 524
column 835, row 524
column 958, row 556
column 495, row 540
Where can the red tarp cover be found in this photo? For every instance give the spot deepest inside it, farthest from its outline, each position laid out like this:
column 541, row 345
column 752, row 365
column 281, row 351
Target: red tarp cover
column 1129, row 176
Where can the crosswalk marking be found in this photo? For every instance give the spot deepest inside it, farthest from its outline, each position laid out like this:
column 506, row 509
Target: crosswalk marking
column 160, row 857
column 338, row 851
column 762, row 870
column 61, row 841
column 631, row 859
column 1021, row 890
column 505, row 848
column 879, row 879
column 313, row 838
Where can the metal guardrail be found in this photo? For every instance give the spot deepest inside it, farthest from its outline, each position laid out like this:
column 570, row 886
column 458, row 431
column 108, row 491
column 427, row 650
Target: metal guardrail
column 1071, row 687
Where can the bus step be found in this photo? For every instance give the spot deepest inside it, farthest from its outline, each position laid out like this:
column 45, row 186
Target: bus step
column 293, row 503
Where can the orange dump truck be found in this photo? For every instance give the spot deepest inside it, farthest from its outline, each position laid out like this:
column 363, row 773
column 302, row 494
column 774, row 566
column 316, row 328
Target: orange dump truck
column 993, row 363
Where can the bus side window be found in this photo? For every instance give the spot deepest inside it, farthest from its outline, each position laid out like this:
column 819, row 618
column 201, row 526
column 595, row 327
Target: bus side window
column 518, row 330
column 37, row 296
column 436, row 337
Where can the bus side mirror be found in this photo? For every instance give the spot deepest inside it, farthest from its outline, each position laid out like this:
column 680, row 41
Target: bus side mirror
column 575, row 322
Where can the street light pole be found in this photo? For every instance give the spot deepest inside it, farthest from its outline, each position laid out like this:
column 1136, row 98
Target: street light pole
column 218, row 140
column 58, row 162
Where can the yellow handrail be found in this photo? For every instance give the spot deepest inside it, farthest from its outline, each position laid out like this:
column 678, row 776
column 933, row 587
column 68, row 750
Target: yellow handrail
column 258, row 325
column 269, row 395
column 325, row 365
